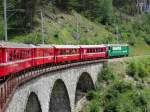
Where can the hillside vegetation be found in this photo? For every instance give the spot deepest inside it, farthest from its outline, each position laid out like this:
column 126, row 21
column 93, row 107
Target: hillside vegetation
column 122, row 87
column 79, row 22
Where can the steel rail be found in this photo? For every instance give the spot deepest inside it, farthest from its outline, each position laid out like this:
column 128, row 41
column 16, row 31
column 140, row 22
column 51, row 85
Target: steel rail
column 8, row 88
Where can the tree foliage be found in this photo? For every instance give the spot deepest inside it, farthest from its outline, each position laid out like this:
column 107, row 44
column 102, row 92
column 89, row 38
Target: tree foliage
column 100, row 10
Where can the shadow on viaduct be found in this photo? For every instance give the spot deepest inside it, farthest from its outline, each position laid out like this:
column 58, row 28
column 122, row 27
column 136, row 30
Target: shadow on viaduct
column 56, row 91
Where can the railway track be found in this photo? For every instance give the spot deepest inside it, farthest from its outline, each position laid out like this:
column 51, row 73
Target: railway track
column 8, row 88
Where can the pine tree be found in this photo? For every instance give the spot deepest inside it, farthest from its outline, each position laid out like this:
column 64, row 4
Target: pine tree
column 107, row 9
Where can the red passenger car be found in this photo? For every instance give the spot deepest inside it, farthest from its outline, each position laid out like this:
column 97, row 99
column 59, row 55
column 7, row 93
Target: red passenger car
column 14, row 58
column 43, row 54
column 89, row 52
column 67, row 53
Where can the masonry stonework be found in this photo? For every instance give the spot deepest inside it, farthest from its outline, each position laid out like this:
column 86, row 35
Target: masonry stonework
column 43, row 86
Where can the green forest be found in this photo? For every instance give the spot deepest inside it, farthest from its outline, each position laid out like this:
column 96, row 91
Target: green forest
column 80, row 22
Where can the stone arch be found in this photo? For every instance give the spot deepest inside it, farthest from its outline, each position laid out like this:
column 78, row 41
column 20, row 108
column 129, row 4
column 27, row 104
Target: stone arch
column 59, row 101
column 84, row 84
column 33, row 103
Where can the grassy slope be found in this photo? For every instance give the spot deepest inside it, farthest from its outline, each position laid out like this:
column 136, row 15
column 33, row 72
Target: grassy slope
column 59, row 30
column 140, row 49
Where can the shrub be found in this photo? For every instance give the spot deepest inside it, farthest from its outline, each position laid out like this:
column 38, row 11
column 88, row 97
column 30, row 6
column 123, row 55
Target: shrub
column 56, row 35
column 117, row 88
column 132, row 68
column 147, row 40
column 111, row 95
column 122, row 86
column 111, row 107
column 92, row 95
column 137, row 69
column 106, row 75
column 132, row 39
column 140, row 100
column 94, row 106
column 142, row 70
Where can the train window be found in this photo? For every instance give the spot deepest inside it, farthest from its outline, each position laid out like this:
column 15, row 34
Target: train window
column 101, row 49
column 88, row 50
column 25, row 54
column 67, row 51
column 28, row 53
column 74, row 51
column 61, row 52
column 70, row 51
column 95, row 50
column 91, row 50
column 45, row 53
column 14, row 55
column 85, row 51
column 21, row 54
column 110, row 48
column 98, row 50
column 104, row 49
column 0, row 55
column 50, row 52
column 18, row 55
column 9, row 56
column 38, row 53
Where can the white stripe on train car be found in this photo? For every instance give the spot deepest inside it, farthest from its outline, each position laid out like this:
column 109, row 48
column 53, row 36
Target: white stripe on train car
column 24, row 60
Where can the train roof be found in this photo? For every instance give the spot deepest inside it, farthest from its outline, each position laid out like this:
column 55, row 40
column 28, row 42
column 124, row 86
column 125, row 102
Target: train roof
column 117, row 44
column 92, row 46
column 14, row 45
column 44, row 46
column 66, row 46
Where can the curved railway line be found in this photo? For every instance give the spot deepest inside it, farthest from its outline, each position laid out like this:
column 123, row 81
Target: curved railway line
column 20, row 63
column 8, row 88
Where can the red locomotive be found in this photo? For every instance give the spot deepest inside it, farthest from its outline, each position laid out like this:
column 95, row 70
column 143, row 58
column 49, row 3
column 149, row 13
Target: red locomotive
column 17, row 57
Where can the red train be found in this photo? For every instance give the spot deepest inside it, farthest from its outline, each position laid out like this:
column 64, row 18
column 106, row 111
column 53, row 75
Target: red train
column 16, row 57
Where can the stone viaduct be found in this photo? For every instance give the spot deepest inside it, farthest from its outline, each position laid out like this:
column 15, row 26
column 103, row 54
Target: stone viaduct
column 57, row 91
